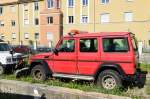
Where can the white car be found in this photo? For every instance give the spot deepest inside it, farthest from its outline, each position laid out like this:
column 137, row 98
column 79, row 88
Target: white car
column 8, row 61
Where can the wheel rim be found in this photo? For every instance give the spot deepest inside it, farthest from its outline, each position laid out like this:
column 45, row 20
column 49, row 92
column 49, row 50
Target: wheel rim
column 108, row 82
column 1, row 70
column 37, row 74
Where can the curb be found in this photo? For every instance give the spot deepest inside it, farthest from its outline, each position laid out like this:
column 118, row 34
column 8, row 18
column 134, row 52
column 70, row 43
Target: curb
column 49, row 92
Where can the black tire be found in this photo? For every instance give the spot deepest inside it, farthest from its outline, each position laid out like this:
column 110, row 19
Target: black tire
column 38, row 73
column 1, row 70
column 109, row 79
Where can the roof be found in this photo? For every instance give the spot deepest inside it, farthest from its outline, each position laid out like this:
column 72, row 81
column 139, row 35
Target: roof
column 85, row 34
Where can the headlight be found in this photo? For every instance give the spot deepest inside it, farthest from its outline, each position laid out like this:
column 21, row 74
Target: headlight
column 8, row 59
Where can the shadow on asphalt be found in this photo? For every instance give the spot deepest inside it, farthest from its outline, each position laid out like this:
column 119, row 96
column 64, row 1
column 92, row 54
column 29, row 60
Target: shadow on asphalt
column 19, row 96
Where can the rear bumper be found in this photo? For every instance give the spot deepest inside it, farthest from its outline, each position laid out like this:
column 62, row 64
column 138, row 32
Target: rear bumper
column 136, row 78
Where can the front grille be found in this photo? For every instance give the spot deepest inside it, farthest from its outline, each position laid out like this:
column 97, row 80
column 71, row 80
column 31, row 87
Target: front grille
column 15, row 59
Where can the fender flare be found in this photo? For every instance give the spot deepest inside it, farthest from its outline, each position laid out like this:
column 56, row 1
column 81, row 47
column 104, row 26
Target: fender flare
column 109, row 65
column 43, row 63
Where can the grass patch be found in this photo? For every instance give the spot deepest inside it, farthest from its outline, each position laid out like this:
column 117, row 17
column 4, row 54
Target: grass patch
column 145, row 67
column 148, row 87
column 81, row 85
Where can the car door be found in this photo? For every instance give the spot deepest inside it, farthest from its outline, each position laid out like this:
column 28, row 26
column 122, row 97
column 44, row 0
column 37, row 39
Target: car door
column 65, row 61
column 88, row 56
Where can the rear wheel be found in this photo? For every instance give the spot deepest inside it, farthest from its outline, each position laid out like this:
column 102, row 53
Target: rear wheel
column 38, row 73
column 109, row 79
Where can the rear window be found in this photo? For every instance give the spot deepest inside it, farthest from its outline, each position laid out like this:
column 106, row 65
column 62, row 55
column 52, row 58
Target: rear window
column 115, row 45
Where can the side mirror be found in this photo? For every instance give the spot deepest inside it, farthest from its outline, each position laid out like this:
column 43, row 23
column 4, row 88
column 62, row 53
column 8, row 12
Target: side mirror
column 55, row 51
column 11, row 52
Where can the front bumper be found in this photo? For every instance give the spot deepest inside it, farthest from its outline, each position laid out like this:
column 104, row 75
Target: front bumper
column 9, row 66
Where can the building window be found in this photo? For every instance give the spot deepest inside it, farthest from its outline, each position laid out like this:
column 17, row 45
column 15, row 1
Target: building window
column 128, row 16
column 50, row 20
column 13, row 35
column 104, row 18
column 13, row 23
column 129, row 0
column 70, row 19
column 1, row 10
column 84, row 19
column 70, row 3
column 2, row 36
column 36, row 21
column 84, row 2
column 50, row 3
column 12, row 8
column 36, row 36
column 49, row 36
column 104, row 1
column 36, row 6
column 26, row 14
column 26, row 35
column 1, row 23
column 26, row 21
column 58, row 3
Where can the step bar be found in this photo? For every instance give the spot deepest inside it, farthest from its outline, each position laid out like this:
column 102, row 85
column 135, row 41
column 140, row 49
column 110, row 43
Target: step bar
column 80, row 77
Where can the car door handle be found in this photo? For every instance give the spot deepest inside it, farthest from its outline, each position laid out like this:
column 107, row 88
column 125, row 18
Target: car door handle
column 46, row 56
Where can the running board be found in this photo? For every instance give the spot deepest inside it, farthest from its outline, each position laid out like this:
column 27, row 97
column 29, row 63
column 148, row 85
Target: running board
column 81, row 77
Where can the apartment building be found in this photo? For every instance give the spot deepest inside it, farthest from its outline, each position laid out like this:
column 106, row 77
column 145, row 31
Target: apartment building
column 50, row 22
column 108, row 15
column 30, row 21
column 19, row 21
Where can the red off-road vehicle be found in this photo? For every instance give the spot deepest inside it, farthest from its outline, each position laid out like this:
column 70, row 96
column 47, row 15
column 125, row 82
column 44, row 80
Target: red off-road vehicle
column 107, row 58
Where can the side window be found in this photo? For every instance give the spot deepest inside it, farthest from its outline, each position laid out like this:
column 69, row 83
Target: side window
column 88, row 45
column 67, row 46
column 115, row 44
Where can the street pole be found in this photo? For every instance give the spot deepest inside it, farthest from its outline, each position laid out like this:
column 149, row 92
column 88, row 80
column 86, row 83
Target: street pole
column 94, row 16
column 19, row 24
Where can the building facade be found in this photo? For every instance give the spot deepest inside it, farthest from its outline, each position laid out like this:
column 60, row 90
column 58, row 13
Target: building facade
column 108, row 15
column 43, row 21
column 50, row 22
column 26, row 21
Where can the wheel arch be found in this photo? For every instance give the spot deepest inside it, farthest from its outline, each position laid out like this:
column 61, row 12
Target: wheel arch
column 112, row 66
column 43, row 63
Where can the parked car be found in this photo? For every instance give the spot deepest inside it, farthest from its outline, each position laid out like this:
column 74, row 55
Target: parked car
column 108, row 58
column 23, row 49
column 8, row 58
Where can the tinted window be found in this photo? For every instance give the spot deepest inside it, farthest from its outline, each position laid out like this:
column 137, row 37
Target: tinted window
column 88, row 45
column 67, row 46
column 4, row 47
column 115, row 45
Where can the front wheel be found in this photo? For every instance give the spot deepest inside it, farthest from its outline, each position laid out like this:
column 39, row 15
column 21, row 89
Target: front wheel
column 109, row 79
column 38, row 73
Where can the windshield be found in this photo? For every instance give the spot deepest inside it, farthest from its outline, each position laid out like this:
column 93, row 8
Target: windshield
column 4, row 47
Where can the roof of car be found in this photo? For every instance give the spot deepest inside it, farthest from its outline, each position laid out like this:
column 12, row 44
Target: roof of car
column 86, row 34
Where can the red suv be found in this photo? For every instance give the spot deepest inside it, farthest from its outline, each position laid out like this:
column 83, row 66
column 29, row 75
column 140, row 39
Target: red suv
column 106, row 58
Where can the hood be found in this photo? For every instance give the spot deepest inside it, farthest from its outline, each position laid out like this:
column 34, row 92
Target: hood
column 41, row 55
column 7, row 54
